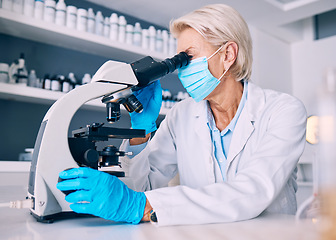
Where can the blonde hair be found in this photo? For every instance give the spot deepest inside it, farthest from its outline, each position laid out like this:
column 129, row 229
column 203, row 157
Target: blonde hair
column 219, row 23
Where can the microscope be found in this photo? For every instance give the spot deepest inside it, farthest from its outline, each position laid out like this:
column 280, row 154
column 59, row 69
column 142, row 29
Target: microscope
column 54, row 151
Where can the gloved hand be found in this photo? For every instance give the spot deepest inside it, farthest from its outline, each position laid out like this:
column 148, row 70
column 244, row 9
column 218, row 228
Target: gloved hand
column 151, row 100
column 102, row 195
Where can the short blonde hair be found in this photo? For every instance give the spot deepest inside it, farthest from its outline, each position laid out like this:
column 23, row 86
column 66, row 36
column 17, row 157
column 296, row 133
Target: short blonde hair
column 219, row 23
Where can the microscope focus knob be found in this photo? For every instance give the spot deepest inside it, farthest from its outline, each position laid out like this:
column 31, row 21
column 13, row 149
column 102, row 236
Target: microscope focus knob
column 91, row 156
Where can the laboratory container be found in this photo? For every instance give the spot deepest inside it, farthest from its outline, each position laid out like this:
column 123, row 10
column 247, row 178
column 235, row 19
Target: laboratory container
column 327, row 154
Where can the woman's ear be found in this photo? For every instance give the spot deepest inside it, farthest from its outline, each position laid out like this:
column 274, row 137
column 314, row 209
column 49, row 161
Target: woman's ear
column 229, row 54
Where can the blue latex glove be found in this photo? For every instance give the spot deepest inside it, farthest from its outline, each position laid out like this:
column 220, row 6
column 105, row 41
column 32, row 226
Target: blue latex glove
column 151, row 100
column 102, row 195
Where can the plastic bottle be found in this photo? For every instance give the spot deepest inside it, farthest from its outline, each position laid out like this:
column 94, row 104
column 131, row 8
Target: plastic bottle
column 81, row 20
column 106, row 31
column 17, row 6
column 4, row 67
column 49, row 11
column 71, row 17
column 171, row 47
column 60, row 13
column 145, row 39
column 39, row 9
column 66, row 85
column 165, row 38
column 159, row 41
column 137, row 34
column 114, row 26
column 22, row 74
column 46, row 82
column 56, row 83
column 28, row 8
column 86, row 79
column 122, row 29
column 129, row 34
column 7, row 4
column 72, row 79
column 91, row 22
column 99, row 23
column 152, row 38
column 32, row 79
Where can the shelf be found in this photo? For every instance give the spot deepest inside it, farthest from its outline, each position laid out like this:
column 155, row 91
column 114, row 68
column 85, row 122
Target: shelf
column 22, row 93
column 21, row 26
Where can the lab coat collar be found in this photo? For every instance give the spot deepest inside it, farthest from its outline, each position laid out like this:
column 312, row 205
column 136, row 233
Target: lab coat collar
column 244, row 128
column 255, row 102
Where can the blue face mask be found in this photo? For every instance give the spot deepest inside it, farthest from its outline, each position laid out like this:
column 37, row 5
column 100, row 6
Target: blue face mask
column 197, row 79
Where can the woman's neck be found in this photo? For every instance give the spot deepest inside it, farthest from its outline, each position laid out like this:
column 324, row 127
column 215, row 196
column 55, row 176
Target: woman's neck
column 224, row 101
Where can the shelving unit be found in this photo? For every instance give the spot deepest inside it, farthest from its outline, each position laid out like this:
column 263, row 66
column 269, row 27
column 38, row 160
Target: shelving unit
column 21, row 26
column 47, row 97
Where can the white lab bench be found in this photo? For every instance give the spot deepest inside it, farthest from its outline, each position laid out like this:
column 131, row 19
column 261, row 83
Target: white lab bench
column 19, row 224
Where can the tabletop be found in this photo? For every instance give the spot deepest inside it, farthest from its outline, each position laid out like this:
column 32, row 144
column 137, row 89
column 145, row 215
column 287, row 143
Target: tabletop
column 19, row 224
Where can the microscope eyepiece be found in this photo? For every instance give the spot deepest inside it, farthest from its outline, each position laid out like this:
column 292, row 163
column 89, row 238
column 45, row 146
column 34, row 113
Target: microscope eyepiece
column 147, row 69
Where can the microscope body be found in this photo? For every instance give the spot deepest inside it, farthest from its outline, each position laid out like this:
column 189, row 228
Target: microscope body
column 113, row 81
column 51, row 153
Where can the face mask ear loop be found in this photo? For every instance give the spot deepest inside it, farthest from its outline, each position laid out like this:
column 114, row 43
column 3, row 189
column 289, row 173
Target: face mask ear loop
column 216, row 52
column 223, row 74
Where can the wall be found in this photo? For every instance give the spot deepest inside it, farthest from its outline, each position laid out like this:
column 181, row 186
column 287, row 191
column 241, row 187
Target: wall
column 272, row 62
column 310, row 60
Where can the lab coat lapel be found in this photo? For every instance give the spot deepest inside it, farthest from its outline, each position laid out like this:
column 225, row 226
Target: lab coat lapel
column 245, row 124
column 204, row 138
column 241, row 134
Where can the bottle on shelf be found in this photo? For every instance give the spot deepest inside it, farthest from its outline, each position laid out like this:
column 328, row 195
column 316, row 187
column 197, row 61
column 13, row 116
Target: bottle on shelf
column 91, row 22
column 17, row 6
column 165, row 38
column 71, row 17
column 22, row 73
column 7, row 4
column 4, row 73
column 32, row 79
column 72, row 79
column 106, row 29
column 60, row 13
column 152, row 38
column 122, row 29
column 86, row 79
column 28, row 8
column 81, row 20
column 39, row 9
column 145, row 39
column 171, row 45
column 129, row 34
column 66, row 85
column 99, row 23
column 56, row 83
column 137, row 34
column 114, row 27
column 49, row 11
column 159, row 41
column 46, row 82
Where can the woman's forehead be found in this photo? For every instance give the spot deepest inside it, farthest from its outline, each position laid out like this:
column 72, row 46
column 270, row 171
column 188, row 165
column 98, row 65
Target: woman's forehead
column 190, row 39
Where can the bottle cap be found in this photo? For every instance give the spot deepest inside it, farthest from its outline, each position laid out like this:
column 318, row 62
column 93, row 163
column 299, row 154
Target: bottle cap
column 71, row 9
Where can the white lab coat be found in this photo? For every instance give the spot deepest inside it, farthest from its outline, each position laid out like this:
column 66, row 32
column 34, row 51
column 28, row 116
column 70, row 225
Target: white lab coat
column 266, row 145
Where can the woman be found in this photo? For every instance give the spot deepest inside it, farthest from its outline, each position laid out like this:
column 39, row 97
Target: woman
column 234, row 145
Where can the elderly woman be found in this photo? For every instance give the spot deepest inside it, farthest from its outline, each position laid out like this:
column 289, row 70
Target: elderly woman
column 234, row 145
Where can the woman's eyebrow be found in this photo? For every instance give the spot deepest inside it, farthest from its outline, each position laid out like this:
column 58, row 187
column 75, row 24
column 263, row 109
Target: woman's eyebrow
column 189, row 49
